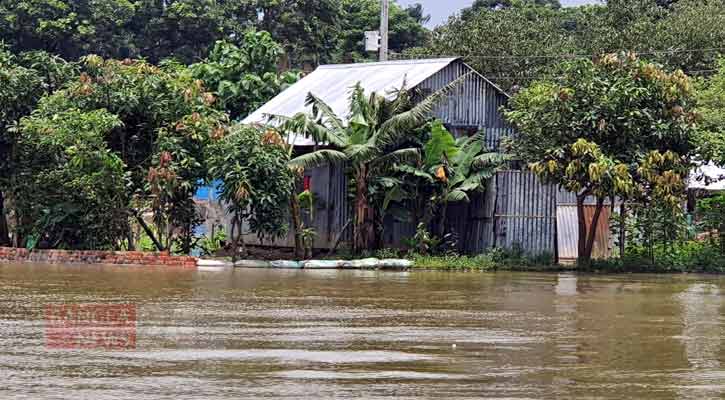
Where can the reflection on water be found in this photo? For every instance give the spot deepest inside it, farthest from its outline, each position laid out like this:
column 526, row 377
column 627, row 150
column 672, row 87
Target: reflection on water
column 327, row 334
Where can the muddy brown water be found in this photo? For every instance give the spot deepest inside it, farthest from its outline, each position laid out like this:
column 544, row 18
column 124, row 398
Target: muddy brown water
column 327, row 335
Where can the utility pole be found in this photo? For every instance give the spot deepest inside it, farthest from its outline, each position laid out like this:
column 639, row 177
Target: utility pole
column 384, row 13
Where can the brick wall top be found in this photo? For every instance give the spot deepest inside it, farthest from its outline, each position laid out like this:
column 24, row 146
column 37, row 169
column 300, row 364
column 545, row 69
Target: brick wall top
column 10, row 254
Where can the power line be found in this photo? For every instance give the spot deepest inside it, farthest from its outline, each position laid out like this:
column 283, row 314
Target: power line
column 545, row 75
column 569, row 56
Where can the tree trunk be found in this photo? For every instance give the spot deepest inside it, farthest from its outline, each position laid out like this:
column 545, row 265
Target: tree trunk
column 587, row 231
column 238, row 240
column 130, row 238
column 4, row 232
column 622, row 229
column 364, row 216
column 297, row 225
column 592, row 236
column 149, row 232
column 721, row 234
column 583, row 261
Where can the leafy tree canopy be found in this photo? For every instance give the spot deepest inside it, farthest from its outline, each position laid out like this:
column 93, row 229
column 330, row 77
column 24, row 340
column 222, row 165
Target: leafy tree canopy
column 406, row 27
column 617, row 126
column 71, row 188
column 515, row 45
column 244, row 77
column 255, row 181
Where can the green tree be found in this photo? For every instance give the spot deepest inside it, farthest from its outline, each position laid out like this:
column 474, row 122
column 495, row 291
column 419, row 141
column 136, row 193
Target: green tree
column 244, row 77
column 183, row 30
column 711, row 212
column 479, row 5
column 450, row 171
column 256, row 181
column 168, row 118
column 406, row 27
column 711, row 107
column 498, row 42
column 65, row 27
column 24, row 79
column 69, row 185
column 616, row 126
column 306, row 29
column 374, row 138
column 514, row 45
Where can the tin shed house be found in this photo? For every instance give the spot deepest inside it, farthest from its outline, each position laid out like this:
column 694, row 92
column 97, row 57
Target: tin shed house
column 516, row 211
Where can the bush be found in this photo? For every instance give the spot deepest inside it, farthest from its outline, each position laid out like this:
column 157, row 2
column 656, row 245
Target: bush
column 690, row 256
column 71, row 189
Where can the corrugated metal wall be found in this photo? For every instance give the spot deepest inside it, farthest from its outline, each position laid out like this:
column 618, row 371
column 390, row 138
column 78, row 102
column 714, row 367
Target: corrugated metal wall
column 329, row 186
column 568, row 234
column 474, row 104
column 525, row 213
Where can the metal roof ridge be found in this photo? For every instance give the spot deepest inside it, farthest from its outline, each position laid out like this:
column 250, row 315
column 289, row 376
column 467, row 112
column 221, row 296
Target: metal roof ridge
column 383, row 63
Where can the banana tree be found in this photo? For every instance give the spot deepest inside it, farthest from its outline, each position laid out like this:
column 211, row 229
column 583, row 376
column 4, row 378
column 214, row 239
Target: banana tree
column 376, row 137
column 451, row 171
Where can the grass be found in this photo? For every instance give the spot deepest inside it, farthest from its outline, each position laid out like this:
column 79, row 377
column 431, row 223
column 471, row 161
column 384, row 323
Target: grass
column 455, row 263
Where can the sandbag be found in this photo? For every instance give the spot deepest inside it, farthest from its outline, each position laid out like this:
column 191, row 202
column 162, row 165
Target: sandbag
column 286, row 264
column 323, row 264
column 213, row 263
column 252, row 264
column 396, row 264
column 367, row 263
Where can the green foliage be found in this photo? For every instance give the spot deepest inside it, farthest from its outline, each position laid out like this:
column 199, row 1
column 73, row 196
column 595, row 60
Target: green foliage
column 711, row 215
column 244, row 77
column 455, row 263
column 24, row 79
column 358, row 16
column 689, row 256
column 451, row 171
column 310, row 31
column 167, row 118
column 377, row 137
column 210, row 245
column 422, row 242
column 612, row 127
column 255, row 181
column 711, row 108
column 70, row 186
column 515, row 42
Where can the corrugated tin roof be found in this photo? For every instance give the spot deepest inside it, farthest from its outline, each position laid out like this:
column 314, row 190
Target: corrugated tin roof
column 332, row 84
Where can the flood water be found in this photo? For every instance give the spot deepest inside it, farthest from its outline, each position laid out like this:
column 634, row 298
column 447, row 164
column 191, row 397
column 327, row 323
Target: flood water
column 328, row 335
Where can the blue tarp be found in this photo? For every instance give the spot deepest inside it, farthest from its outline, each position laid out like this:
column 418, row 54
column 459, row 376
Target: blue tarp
column 209, row 192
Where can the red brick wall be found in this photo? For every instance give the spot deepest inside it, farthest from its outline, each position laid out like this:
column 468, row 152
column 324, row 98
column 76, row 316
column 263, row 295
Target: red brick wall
column 9, row 254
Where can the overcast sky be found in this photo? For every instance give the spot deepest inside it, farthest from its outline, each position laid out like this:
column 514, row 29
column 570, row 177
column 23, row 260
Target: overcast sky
column 441, row 9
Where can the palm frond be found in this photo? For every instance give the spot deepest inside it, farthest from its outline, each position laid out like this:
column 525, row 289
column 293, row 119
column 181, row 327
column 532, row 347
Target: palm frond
column 490, row 160
column 408, row 169
column 302, row 124
column 402, row 156
column 325, row 112
column 361, row 152
column 456, row 196
column 318, row 158
column 399, row 126
column 475, row 182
